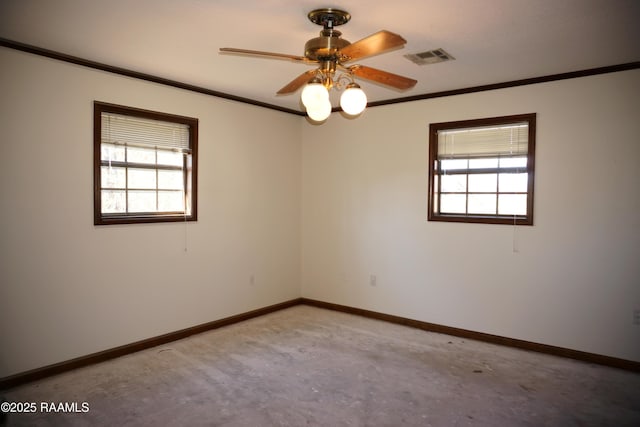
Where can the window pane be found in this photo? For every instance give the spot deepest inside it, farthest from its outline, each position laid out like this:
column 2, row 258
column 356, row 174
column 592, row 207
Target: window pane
column 170, row 201
column 512, row 204
column 113, row 201
column 142, row 178
column 482, row 204
column 171, row 158
column 513, row 182
column 483, row 163
column 513, row 162
column 112, row 152
column 170, row 180
column 141, row 155
column 448, row 164
column 113, row 177
column 142, row 201
column 453, row 203
column 483, row 182
column 454, row 183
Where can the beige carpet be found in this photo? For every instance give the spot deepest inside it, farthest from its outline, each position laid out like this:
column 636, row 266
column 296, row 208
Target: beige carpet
column 305, row 366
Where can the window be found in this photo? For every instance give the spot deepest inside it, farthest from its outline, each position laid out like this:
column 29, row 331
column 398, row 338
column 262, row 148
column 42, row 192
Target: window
column 482, row 170
column 144, row 166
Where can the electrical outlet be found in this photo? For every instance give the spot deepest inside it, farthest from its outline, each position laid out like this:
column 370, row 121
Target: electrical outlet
column 636, row 317
column 373, row 280
column 252, row 280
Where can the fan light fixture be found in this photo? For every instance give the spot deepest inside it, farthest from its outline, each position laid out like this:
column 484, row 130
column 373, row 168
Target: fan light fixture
column 353, row 101
column 315, row 95
column 320, row 110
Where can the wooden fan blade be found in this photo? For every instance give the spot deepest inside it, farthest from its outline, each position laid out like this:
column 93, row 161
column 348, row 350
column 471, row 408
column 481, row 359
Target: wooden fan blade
column 297, row 83
column 379, row 42
column 383, row 77
column 263, row 54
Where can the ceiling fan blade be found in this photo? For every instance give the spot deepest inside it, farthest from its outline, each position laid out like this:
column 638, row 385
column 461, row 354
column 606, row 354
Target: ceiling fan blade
column 383, row 77
column 297, row 83
column 374, row 44
column 263, row 54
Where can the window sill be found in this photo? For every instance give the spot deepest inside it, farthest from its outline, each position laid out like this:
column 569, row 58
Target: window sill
column 142, row 219
column 489, row 219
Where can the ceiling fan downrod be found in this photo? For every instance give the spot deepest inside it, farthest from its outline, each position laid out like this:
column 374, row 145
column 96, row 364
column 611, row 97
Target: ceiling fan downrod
column 327, row 46
column 329, row 17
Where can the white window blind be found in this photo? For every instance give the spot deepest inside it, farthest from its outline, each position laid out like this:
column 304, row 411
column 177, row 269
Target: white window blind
column 136, row 131
column 507, row 140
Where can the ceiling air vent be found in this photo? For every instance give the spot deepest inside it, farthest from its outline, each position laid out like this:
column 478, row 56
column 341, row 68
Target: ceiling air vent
column 429, row 57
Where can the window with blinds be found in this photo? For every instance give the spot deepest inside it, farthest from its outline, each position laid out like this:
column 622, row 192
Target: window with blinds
column 482, row 170
column 144, row 166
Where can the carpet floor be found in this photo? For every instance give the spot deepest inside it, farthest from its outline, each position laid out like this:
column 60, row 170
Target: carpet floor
column 305, row 366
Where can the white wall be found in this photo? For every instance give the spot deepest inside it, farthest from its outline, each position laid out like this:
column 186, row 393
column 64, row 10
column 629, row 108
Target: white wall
column 69, row 288
column 574, row 278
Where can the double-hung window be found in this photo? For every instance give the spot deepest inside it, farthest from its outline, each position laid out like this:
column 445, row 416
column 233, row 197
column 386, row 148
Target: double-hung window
column 482, row 170
column 145, row 166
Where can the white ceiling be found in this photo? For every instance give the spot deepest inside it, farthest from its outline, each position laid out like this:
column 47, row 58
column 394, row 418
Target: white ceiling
column 493, row 41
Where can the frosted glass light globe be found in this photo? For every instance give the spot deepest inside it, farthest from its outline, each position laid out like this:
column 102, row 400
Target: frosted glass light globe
column 353, row 100
column 320, row 111
column 313, row 94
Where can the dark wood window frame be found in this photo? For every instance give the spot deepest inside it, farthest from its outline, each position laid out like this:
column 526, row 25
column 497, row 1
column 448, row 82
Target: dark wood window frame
column 190, row 168
column 435, row 171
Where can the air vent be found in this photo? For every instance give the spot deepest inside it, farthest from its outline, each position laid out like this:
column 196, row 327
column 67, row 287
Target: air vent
column 429, row 57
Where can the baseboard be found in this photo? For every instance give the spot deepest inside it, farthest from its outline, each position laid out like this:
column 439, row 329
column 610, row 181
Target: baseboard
column 583, row 356
column 102, row 356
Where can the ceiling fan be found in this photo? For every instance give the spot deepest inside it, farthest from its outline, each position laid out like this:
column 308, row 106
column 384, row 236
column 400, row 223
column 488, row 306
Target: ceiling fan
column 331, row 52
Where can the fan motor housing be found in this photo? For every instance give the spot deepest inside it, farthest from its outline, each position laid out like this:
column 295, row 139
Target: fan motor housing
column 325, row 47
